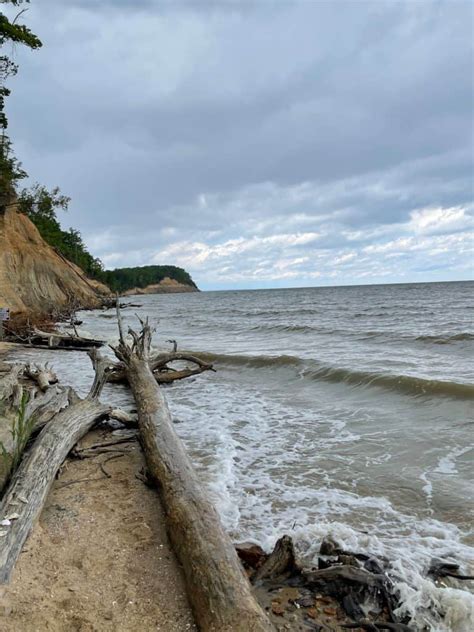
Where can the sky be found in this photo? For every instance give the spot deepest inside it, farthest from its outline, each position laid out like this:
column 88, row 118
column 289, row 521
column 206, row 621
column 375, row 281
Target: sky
column 257, row 144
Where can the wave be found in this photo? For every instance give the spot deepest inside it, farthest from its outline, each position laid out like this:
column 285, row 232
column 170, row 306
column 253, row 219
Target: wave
column 312, row 370
column 403, row 383
column 361, row 334
column 293, row 328
column 444, row 340
column 255, row 362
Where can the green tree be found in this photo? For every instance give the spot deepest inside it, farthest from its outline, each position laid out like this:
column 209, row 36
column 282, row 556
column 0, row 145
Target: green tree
column 11, row 33
column 41, row 206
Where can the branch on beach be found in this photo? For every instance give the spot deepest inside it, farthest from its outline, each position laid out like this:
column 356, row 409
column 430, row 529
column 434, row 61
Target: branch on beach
column 162, row 371
column 43, row 376
column 159, row 363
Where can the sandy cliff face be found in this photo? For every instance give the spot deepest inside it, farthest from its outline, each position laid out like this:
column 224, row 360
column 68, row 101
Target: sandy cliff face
column 166, row 286
column 33, row 277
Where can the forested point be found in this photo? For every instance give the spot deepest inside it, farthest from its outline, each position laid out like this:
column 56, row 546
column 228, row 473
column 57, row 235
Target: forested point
column 123, row 279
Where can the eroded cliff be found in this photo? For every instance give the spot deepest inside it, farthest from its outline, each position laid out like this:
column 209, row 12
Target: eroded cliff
column 34, row 278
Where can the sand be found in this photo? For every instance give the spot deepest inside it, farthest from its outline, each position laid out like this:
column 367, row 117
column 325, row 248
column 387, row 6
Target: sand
column 99, row 558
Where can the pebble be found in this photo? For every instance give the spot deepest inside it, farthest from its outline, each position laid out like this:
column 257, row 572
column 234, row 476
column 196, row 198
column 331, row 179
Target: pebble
column 312, row 613
column 277, row 608
column 330, row 611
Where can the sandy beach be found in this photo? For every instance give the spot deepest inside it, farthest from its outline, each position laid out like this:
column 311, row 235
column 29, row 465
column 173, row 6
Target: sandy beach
column 99, row 558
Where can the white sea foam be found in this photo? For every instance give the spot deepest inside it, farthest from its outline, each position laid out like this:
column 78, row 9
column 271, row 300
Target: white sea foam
column 447, row 464
column 268, row 471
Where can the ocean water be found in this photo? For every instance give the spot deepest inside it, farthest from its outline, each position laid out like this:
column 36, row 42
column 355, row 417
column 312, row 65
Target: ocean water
column 344, row 410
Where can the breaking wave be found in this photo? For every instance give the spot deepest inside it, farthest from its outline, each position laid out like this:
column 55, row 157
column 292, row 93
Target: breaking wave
column 444, row 340
column 312, row 370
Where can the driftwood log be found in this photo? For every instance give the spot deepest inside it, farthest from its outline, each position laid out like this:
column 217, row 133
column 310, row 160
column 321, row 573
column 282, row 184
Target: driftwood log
column 219, row 592
column 27, row 492
column 37, row 339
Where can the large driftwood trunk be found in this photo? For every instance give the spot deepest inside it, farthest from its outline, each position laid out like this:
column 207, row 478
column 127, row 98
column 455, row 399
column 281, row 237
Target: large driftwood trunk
column 219, row 592
column 27, row 492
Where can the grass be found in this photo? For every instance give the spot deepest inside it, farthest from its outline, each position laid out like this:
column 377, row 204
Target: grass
column 20, row 429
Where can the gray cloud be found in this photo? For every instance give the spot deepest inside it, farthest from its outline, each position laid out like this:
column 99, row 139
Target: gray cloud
column 209, row 122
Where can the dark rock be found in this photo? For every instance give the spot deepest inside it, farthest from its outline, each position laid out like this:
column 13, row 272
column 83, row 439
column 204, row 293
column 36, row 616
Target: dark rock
column 373, row 566
column 329, row 546
column 352, row 607
column 251, row 554
column 305, row 602
column 326, row 563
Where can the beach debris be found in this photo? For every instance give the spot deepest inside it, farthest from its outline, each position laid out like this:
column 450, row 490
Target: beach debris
column 189, row 365
column 123, row 417
column 5, row 523
column 43, row 376
column 440, row 568
column 36, row 338
column 281, row 561
column 277, row 608
column 329, row 546
column 251, row 554
column 340, row 591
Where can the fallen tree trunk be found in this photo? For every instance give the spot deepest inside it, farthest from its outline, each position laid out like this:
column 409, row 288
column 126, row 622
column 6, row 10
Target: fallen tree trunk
column 219, row 592
column 27, row 492
column 58, row 340
column 37, row 339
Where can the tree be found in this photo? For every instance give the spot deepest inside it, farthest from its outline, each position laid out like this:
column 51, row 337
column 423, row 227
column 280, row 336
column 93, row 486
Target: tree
column 11, row 32
column 41, row 206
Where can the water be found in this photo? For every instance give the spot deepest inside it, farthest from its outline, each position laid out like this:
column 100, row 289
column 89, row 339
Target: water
column 334, row 410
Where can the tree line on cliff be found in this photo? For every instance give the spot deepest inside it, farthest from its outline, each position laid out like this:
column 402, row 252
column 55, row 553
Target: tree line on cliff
column 41, row 205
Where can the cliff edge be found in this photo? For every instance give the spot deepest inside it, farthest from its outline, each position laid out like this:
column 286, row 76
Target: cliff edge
column 34, row 278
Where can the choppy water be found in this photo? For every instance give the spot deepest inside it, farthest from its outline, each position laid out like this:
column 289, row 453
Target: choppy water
column 342, row 410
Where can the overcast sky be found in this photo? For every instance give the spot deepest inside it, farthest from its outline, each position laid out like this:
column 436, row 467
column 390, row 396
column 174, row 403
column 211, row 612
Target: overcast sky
column 257, row 144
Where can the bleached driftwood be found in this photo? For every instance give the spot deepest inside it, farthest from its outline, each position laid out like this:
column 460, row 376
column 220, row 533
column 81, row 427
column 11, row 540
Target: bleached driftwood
column 218, row 590
column 43, row 376
column 160, row 366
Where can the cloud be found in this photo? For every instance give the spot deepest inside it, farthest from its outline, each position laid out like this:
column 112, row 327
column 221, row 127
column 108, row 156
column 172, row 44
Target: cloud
column 234, row 127
column 429, row 220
